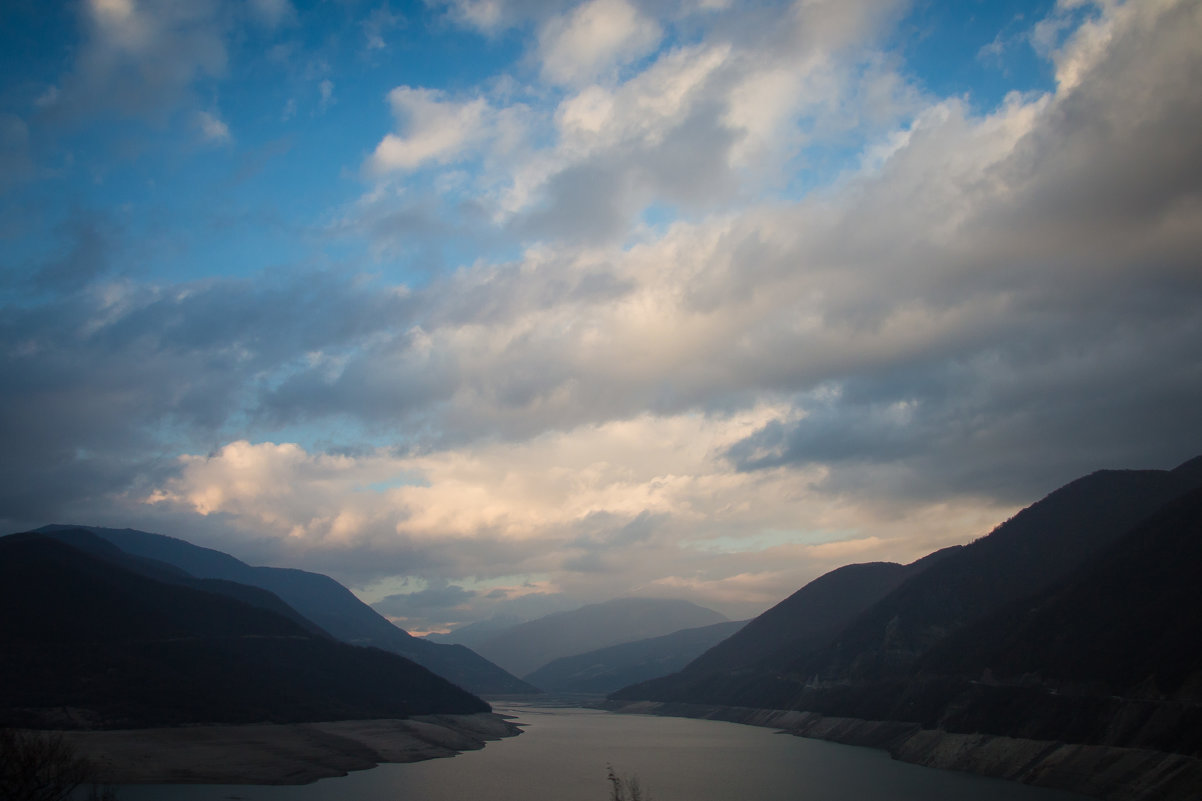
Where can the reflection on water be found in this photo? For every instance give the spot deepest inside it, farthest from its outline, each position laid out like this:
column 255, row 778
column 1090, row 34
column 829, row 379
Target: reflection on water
column 563, row 753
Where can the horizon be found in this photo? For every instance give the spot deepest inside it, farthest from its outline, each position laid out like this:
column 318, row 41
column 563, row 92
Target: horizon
column 493, row 307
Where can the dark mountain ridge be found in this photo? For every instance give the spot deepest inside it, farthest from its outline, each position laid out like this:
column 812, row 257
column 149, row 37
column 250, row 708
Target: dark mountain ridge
column 1077, row 621
column 104, row 550
column 86, row 642
column 317, row 598
column 1038, row 547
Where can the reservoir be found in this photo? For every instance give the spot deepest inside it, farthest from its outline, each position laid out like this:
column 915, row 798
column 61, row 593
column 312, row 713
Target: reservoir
column 563, row 754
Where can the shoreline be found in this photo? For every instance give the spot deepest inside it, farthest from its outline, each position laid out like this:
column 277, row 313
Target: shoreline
column 279, row 754
column 1110, row 773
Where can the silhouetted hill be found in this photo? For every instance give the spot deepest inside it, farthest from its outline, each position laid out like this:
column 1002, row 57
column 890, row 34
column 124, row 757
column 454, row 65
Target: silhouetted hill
column 802, row 623
column 526, row 647
column 323, row 601
column 608, row 669
column 1039, row 546
column 1078, row 620
column 1129, row 623
column 86, row 642
column 94, row 545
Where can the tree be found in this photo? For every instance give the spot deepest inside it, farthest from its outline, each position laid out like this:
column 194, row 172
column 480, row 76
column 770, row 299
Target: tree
column 624, row 788
column 41, row 767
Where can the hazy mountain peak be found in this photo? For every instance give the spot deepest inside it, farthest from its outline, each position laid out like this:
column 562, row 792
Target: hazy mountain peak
column 530, row 645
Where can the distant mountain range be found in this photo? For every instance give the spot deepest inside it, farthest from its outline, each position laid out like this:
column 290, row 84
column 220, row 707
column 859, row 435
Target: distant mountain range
column 317, row 598
column 1078, row 620
column 473, row 634
column 528, row 646
column 94, row 637
column 607, row 669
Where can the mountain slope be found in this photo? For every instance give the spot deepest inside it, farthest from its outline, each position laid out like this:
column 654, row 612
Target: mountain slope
column 1078, row 620
column 1039, row 546
column 608, row 669
column 104, row 550
column 1128, row 623
column 526, row 647
column 320, row 599
column 86, row 642
column 802, row 623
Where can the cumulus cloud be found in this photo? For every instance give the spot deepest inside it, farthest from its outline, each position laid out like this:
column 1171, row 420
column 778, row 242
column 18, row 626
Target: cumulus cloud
column 720, row 406
column 437, row 129
column 594, row 39
column 646, row 502
column 696, row 127
column 891, row 315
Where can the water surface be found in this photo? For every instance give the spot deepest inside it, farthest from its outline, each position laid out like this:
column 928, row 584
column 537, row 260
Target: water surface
column 563, row 754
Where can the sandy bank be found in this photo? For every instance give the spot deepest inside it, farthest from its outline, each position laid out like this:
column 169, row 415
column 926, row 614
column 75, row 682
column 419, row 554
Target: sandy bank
column 280, row 754
column 1106, row 772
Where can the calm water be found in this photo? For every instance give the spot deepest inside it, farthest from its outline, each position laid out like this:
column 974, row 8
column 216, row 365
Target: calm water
column 562, row 755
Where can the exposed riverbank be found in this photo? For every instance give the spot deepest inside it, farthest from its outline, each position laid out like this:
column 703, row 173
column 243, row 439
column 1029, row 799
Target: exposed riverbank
column 1109, row 773
column 279, row 753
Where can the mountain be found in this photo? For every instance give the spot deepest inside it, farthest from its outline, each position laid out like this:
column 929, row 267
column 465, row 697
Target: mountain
column 805, row 621
column 1028, row 553
column 881, row 647
column 473, row 634
column 102, row 549
column 320, row 599
column 531, row 645
column 608, row 669
column 1112, row 654
column 86, row 642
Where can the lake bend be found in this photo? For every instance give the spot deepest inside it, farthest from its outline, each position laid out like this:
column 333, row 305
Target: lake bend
column 563, row 754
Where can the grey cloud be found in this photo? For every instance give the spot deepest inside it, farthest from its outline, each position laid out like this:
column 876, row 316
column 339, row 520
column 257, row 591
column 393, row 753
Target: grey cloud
column 588, row 202
column 98, row 384
column 605, row 541
column 1096, row 360
column 143, row 64
column 87, row 257
column 439, row 596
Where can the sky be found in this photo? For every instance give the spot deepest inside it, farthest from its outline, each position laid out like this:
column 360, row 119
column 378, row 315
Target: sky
column 508, row 306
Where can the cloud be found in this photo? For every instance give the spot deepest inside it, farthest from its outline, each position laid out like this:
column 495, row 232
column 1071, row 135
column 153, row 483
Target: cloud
column 273, row 13
column 438, row 599
column 140, row 59
column 675, row 369
column 592, row 512
column 437, row 129
column 155, row 366
column 597, row 37
column 379, row 22
column 212, row 128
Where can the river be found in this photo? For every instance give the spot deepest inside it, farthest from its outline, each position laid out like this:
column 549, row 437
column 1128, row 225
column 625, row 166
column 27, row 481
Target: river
column 563, row 755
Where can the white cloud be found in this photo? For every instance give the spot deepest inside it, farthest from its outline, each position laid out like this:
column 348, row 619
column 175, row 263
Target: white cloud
column 436, row 129
column 981, row 307
column 594, row 39
column 485, row 15
column 212, row 127
column 637, row 494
